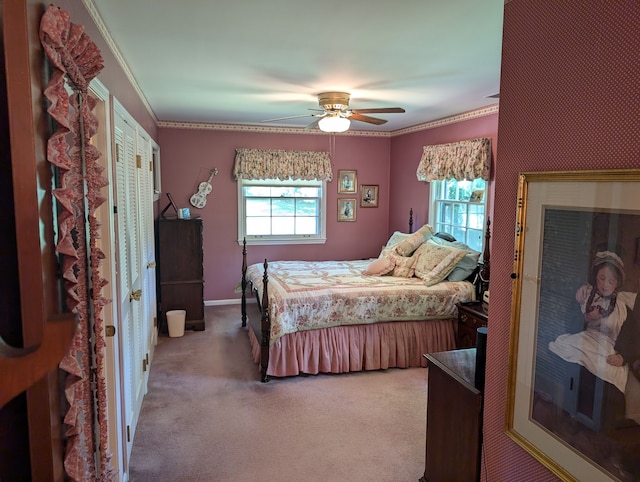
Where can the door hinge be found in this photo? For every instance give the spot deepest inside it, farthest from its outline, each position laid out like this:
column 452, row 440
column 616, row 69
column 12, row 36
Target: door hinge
column 147, row 358
column 155, row 322
column 128, row 433
column 110, row 330
column 138, row 161
column 151, row 166
column 115, row 209
column 144, row 365
column 135, row 295
column 117, row 152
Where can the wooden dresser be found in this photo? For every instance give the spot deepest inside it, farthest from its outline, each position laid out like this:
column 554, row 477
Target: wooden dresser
column 471, row 316
column 180, row 271
column 454, row 418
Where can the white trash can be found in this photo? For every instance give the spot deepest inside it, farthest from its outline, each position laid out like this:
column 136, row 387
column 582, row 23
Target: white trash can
column 175, row 321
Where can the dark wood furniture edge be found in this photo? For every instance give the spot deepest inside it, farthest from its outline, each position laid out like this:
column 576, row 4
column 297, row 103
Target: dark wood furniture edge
column 466, row 379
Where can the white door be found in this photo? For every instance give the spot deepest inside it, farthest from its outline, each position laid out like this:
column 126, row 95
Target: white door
column 147, row 244
column 130, row 275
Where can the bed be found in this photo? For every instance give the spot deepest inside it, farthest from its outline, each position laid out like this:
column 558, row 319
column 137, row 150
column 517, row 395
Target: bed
column 313, row 317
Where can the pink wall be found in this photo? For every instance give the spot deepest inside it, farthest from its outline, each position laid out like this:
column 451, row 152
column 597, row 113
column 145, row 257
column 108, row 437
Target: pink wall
column 406, row 150
column 188, row 155
column 112, row 76
column 569, row 100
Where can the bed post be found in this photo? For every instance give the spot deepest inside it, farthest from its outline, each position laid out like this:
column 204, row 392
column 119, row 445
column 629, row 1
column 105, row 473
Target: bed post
column 243, row 303
column 266, row 325
column 485, row 271
column 410, row 220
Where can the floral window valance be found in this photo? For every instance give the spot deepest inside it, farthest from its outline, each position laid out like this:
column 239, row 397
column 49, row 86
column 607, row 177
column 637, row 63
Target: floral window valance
column 277, row 164
column 457, row 160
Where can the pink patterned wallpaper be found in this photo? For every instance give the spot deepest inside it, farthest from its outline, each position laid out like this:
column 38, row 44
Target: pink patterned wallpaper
column 570, row 99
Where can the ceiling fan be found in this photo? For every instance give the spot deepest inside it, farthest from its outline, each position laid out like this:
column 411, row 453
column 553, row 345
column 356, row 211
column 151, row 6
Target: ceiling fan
column 336, row 116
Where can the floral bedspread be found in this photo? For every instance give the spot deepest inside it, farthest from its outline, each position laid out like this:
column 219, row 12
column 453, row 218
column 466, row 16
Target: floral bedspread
column 306, row 295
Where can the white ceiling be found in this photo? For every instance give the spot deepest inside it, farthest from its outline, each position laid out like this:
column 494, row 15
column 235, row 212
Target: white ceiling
column 245, row 61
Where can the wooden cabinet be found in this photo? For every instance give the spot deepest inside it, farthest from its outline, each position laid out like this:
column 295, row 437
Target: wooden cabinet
column 471, row 316
column 454, row 418
column 180, row 271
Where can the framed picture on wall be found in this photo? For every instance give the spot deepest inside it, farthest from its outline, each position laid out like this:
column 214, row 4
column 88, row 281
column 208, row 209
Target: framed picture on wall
column 574, row 362
column 347, row 182
column 347, row 209
column 369, row 196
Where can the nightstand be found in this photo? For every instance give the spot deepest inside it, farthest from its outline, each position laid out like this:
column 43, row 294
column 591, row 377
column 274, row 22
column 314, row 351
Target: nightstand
column 471, row 316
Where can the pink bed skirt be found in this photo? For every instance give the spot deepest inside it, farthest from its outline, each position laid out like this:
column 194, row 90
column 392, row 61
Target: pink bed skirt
column 342, row 349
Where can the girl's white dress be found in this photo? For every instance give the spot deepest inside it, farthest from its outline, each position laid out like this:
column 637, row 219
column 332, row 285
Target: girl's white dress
column 591, row 347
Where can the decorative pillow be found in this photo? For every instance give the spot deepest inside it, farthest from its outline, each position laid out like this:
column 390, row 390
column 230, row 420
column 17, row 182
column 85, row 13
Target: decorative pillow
column 467, row 264
column 395, row 238
column 409, row 245
column 435, row 262
column 403, row 265
column 379, row 267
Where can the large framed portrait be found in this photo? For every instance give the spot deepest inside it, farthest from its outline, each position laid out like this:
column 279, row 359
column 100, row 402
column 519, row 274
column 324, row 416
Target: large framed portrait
column 574, row 356
column 347, row 182
column 346, row 209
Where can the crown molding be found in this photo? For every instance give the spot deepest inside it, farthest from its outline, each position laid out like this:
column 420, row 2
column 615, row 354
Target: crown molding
column 473, row 114
column 265, row 129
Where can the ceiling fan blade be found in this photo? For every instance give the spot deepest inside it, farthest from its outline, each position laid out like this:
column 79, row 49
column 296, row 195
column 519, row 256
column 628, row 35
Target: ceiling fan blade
column 382, row 110
column 365, row 118
column 290, row 117
column 314, row 124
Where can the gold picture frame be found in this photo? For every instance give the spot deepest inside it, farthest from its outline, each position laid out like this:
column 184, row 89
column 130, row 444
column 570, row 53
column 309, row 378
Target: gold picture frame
column 568, row 224
column 369, row 196
column 347, row 181
column 347, row 209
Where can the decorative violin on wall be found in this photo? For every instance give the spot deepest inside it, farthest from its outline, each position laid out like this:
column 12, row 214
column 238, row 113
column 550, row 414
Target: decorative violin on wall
column 199, row 199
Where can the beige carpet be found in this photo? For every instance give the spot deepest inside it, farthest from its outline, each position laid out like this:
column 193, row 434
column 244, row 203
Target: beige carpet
column 207, row 417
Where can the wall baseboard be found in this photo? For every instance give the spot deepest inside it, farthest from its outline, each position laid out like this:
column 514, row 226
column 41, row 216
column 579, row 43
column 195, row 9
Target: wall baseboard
column 233, row 301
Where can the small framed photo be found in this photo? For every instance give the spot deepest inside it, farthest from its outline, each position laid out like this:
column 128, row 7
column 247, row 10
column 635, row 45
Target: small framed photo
column 347, row 182
column 477, row 195
column 369, row 196
column 346, row 209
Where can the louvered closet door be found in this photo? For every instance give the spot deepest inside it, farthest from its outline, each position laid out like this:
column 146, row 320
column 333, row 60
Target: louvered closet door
column 147, row 243
column 129, row 276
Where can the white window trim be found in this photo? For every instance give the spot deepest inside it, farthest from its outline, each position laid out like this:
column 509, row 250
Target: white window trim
column 432, row 211
column 281, row 240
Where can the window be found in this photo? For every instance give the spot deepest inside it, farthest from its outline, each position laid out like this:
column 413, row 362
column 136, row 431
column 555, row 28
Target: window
column 281, row 212
column 458, row 208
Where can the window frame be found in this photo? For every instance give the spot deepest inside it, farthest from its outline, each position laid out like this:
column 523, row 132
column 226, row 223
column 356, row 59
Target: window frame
column 271, row 239
column 434, row 203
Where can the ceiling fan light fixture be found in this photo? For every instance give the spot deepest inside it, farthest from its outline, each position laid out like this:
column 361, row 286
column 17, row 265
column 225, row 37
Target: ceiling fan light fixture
column 334, row 124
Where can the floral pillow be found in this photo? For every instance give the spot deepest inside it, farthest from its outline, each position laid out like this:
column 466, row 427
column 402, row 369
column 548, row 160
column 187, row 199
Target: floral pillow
column 380, row 267
column 434, row 262
column 403, row 265
column 395, row 238
column 467, row 264
column 409, row 245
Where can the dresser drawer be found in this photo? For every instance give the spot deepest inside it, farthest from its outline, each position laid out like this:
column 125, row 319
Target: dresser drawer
column 471, row 321
column 470, row 318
